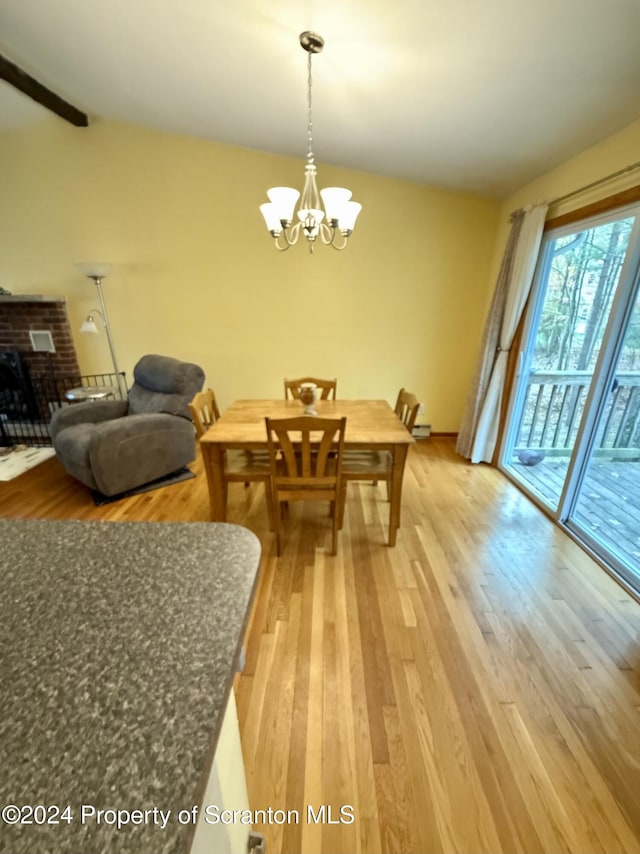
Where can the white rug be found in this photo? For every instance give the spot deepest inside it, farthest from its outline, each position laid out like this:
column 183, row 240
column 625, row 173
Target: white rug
column 19, row 461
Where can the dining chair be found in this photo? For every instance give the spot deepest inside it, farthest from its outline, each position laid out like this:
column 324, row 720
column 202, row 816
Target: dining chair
column 204, row 411
column 377, row 465
column 327, row 388
column 238, row 466
column 406, row 408
column 306, row 455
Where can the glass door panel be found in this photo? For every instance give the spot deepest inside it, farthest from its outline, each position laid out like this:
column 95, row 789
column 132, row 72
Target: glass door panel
column 607, row 506
column 575, row 287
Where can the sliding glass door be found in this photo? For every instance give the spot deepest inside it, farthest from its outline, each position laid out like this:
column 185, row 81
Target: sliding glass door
column 573, row 436
column 605, row 509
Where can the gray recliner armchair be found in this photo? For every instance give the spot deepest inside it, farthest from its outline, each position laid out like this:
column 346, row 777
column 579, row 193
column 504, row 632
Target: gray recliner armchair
column 116, row 445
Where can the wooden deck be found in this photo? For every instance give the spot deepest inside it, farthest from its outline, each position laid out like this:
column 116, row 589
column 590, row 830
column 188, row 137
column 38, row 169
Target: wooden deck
column 609, row 507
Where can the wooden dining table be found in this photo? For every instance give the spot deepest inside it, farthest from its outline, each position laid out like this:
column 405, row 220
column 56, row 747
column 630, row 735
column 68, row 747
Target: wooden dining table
column 371, row 425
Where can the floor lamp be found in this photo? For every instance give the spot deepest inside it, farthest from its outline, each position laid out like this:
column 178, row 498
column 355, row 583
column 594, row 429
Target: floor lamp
column 97, row 272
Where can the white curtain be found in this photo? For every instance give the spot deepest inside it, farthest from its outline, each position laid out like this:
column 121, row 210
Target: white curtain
column 523, row 268
column 490, row 342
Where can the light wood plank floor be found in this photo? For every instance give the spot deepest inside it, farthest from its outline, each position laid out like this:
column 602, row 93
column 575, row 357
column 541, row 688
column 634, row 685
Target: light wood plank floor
column 475, row 689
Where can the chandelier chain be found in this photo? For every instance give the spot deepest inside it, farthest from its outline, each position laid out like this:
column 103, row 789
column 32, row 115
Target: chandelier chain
column 310, row 157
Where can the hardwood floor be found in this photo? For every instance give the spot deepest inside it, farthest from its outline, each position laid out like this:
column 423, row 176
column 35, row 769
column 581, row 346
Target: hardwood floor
column 474, row 689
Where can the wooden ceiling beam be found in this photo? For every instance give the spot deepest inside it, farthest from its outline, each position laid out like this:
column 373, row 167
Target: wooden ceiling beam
column 26, row 84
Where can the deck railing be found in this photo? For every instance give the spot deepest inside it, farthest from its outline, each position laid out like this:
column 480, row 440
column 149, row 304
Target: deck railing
column 554, row 405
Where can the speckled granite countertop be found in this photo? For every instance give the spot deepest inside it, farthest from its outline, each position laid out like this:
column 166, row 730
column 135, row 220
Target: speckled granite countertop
column 118, row 644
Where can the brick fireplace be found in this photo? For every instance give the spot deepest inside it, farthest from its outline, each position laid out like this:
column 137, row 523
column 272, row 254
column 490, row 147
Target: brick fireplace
column 21, row 314
column 33, row 372
column 39, row 370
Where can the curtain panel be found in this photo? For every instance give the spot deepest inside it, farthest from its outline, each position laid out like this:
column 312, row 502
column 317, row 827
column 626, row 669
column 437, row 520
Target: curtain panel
column 479, row 431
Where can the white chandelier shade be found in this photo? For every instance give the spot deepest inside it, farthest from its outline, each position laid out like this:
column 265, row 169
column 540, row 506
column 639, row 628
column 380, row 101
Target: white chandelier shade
column 329, row 215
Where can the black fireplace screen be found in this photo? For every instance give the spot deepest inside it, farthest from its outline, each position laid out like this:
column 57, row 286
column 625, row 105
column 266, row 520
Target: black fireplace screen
column 27, row 401
column 16, row 392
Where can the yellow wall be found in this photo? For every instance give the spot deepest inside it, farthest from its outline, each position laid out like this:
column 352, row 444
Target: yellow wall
column 609, row 156
column 195, row 275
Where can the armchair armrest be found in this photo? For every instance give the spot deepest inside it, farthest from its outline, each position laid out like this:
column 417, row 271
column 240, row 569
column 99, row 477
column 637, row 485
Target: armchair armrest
column 90, row 412
column 140, row 448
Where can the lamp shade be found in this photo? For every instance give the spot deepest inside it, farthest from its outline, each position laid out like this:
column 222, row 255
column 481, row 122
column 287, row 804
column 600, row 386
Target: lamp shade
column 284, row 200
column 89, row 326
column 100, row 269
column 335, row 199
column 270, row 214
column 348, row 216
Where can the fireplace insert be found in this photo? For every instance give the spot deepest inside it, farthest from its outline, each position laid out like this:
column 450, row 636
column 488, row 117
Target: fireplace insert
column 17, row 398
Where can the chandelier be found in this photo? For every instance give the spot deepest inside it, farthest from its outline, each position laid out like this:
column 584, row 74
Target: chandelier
column 332, row 219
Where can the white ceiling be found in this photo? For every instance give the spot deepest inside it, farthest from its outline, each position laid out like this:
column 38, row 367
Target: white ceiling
column 480, row 95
